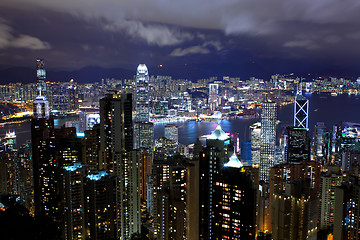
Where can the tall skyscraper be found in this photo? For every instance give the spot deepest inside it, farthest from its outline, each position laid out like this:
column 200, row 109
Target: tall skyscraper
column 347, row 210
column 328, row 182
column 46, row 196
column 143, row 128
column 215, row 155
column 117, row 156
column 319, row 141
column 213, row 92
column 213, row 95
column 172, row 132
column 301, row 111
column 255, row 130
column 142, row 94
column 73, row 224
column 41, row 76
column 294, row 190
column 234, row 202
column 170, row 197
column 268, row 139
column 100, row 190
column 297, row 148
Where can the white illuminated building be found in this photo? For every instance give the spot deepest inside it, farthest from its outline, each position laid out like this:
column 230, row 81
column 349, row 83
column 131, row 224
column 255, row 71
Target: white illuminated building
column 268, row 139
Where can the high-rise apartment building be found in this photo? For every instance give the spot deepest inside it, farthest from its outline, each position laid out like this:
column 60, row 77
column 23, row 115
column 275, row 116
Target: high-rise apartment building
column 73, row 205
column 329, row 181
column 214, row 156
column 268, row 139
column 234, row 202
column 294, row 190
column 117, row 156
column 170, row 197
column 100, row 190
column 347, row 210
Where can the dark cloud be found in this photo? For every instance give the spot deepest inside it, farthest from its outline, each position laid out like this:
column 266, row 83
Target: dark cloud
column 77, row 33
column 9, row 40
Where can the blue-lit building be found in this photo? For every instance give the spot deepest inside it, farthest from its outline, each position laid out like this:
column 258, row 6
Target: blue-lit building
column 245, row 154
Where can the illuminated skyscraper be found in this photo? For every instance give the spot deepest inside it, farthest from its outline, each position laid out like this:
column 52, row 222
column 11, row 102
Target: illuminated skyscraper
column 170, row 197
column 298, row 145
column 234, row 203
column 213, row 95
column 328, row 182
column 213, row 92
column 74, row 226
column 143, row 129
column 294, row 190
column 142, row 94
column 301, row 110
column 45, row 166
column 172, row 132
column 41, row 76
column 101, row 206
column 347, row 210
column 255, row 143
column 268, row 139
column 143, row 135
column 215, row 155
column 117, row 156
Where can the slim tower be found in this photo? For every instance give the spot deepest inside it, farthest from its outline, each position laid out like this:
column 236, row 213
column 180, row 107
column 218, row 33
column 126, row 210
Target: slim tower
column 143, row 129
column 267, row 139
column 117, row 156
column 41, row 76
column 142, row 94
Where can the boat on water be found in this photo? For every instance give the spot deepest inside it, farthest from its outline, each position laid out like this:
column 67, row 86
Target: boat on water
column 334, row 94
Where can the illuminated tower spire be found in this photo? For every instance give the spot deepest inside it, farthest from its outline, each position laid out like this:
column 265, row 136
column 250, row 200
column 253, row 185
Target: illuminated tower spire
column 41, row 106
column 142, row 94
column 301, row 110
column 41, row 76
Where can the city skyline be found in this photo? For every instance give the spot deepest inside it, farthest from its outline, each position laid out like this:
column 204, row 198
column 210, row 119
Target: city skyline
column 195, row 120
column 236, row 37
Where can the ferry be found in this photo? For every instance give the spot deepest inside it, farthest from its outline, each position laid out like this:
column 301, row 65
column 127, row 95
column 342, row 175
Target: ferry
column 334, row 94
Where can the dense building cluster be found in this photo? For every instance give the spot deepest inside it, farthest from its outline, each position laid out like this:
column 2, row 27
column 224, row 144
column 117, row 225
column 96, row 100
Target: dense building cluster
column 103, row 176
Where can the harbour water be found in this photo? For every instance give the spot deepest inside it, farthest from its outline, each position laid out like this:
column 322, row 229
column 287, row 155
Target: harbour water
column 323, row 108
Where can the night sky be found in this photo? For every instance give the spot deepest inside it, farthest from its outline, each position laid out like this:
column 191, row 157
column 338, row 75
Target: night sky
column 276, row 36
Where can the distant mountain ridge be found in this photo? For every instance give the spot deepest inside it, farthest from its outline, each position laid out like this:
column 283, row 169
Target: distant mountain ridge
column 84, row 75
column 191, row 72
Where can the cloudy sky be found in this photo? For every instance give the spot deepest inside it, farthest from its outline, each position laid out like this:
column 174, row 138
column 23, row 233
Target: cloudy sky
column 278, row 35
